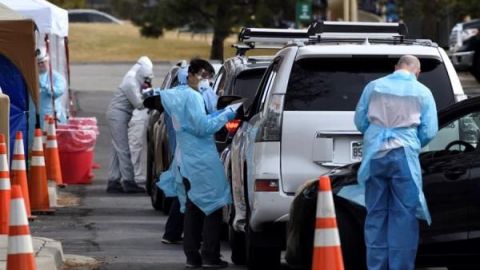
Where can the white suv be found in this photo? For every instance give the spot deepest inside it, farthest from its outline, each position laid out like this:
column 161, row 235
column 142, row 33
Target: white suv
column 300, row 124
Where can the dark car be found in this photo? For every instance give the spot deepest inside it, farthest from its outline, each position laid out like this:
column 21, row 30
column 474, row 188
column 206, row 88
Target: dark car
column 451, row 183
column 464, row 46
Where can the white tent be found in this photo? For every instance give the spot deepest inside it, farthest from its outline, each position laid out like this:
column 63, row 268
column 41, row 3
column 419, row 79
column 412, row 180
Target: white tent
column 52, row 24
column 49, row 18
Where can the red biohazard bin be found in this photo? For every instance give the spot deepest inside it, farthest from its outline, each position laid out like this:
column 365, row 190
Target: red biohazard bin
column 76, row 148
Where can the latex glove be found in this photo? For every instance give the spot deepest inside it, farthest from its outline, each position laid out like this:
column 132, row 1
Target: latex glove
column 230, row 114
column 147, row 93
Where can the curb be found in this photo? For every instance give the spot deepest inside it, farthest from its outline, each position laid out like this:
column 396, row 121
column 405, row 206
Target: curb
column 48, row 253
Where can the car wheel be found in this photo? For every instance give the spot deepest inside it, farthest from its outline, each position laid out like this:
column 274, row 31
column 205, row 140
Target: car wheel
column 475, row 69
column 352, row 242
column 237, row 245
column 150, row 172
column 261, row 254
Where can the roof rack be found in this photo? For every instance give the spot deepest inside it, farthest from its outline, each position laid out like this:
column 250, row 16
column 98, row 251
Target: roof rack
column 358, row 29
column 274, row 35
column 267, row 38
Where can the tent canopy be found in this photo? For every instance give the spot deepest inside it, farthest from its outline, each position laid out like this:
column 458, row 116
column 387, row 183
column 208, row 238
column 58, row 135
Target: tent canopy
column 49, row 18
column 17, row 43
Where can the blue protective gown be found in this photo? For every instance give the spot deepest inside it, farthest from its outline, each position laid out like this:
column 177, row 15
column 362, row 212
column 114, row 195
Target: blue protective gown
column 196, row 153
column 209, row 96
column 397, row 116
column 59, row 86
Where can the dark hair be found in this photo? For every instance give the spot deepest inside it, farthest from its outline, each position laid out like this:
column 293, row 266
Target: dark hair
column 197, row 64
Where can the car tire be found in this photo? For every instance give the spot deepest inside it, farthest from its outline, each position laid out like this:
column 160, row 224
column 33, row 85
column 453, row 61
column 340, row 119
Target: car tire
column 150, row 173
column 352, row 242
column 237, row 245
column 475, row 69
column 261, row 254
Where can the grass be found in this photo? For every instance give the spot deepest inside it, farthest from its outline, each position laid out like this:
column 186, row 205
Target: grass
column 111, row 43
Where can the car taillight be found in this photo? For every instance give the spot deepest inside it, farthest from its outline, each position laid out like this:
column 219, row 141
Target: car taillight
column 271, row 127
column 232, row 126
column 266, row 185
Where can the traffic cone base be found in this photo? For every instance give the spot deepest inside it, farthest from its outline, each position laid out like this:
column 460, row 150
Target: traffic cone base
column 52, row 193
column 20, row 246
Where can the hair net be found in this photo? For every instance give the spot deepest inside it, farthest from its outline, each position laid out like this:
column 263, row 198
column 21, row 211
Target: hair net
column 42, row 55
column 146, row 67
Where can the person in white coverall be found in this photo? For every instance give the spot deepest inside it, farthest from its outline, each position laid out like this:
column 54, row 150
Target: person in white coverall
column 137, row 139
column 126, row 99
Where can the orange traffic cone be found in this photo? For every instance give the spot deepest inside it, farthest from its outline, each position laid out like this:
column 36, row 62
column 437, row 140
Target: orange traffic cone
column 327, row 253
column 54, row 172
column 4, row 188
column 20, row 246
column 38, row 188
column 18, row 174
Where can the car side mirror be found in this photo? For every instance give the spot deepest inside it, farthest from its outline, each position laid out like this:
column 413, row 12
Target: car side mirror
column 224, row 101
column 153, row 103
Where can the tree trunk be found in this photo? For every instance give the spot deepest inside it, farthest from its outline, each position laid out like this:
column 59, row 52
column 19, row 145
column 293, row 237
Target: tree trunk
column 221, row 29
column 216, row 52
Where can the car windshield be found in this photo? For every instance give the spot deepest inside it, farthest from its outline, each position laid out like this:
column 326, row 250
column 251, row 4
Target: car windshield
column 335, row 84
column 246, row 84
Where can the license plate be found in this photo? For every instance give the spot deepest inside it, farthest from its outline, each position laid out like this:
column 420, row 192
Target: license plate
column 356, row 151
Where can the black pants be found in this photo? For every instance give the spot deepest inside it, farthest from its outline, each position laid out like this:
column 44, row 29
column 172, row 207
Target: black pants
column 198, row 226
column 174, row 226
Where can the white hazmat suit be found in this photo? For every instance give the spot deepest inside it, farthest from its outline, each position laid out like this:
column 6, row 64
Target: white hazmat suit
column 126, row 99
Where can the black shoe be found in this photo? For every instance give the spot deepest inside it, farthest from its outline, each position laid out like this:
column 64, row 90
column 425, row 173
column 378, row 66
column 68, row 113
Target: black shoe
column 168, row 241
column 193, row 264
column 114, row 187
column 218, row 263
column 132, row 187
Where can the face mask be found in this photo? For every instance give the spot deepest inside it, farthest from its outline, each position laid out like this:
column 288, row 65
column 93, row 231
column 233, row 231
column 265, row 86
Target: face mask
column 204, row 84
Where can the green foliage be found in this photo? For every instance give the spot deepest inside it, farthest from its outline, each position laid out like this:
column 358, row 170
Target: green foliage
column 69, row 4
column 221, row 17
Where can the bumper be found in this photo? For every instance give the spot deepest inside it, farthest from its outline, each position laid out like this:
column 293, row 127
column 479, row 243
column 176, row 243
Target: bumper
column 269, row 207
column 462, row 60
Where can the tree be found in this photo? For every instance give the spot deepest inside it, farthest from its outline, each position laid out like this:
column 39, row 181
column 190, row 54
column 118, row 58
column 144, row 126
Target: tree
column 222, row 17
column 68, row 4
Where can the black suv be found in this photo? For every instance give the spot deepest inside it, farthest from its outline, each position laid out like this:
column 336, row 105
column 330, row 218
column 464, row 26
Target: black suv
column 465, row 47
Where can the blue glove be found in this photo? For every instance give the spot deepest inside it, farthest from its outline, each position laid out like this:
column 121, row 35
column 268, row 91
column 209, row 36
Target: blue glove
column 230, row 114
column 215, row 113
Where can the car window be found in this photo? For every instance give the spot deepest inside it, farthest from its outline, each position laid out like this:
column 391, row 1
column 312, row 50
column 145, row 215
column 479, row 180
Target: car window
column 335, row 84
column 98, row 18
column 246, row 84
column 219, row 84
column 77, row 17
column 465, row 129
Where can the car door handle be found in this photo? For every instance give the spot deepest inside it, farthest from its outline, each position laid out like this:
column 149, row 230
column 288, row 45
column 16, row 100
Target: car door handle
column 455, row 173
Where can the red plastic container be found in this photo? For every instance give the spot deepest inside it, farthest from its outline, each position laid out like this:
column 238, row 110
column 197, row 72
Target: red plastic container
column 77, row 167
column 76, row 148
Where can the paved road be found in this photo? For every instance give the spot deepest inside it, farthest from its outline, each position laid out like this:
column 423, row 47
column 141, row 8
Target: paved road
column 121, row 231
